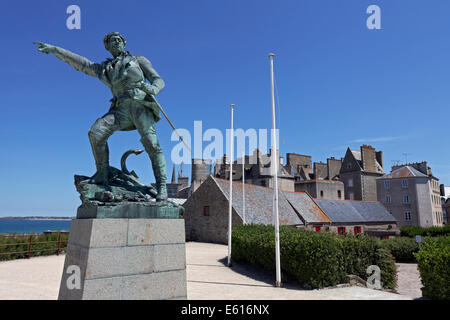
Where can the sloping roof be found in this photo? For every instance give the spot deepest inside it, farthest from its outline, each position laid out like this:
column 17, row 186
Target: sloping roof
column 178, row 201
column 340, row 211
column 306, row 207
column 258, row 207
column 306, row 173
column 258, row 204
column 404, row 172
column 357, row 155
column 291, row 170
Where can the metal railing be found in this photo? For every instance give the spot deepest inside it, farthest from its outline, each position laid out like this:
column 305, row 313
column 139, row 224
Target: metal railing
column 59, row 244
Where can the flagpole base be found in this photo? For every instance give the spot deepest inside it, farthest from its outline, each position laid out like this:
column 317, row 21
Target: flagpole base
column 277, row 284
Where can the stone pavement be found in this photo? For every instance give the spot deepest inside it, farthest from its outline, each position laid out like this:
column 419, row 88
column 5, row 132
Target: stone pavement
column 408, row 281
column 208, row 279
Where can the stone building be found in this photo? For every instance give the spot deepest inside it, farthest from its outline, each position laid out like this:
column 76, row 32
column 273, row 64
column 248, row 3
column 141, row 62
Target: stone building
column 412, row 194
column 359, row 172
column 446, row 210
column 257, row 171
column 206, row 212
column 320, row 180
column 353, row 217
column 445, row 202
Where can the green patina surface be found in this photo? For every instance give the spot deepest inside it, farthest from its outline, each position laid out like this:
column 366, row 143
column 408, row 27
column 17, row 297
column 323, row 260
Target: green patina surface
column 128, row 211
column 133, row 107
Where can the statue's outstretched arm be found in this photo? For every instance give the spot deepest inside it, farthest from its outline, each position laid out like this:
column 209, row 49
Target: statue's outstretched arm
column 157, row 83
column 78, row 62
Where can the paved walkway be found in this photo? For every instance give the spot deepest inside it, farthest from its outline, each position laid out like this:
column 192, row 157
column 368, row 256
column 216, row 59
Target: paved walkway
column 207, row 276
column 408, row 281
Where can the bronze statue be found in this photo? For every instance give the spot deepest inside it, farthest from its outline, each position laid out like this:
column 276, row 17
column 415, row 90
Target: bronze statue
column 133, row 104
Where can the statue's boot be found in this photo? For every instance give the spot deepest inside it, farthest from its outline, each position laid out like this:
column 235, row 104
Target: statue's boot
column 100, row 151
column 154, row 151
column 101, row 176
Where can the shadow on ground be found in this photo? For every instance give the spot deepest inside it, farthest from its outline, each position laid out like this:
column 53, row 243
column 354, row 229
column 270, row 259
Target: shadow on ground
column 259, row 274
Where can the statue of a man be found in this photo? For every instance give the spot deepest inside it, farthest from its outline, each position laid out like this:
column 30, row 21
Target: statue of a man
column 133, row 105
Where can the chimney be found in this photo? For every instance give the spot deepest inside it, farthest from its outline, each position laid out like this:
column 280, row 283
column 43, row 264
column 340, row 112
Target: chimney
column 379, row 155
column 368, row 158
column 334, row 167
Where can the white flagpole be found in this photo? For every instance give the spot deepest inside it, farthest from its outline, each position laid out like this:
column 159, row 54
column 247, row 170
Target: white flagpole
column 274, row 161
column 230, row 207
column 243, row 185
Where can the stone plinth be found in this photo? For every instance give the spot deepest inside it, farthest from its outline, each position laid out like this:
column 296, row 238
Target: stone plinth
column 125, row 259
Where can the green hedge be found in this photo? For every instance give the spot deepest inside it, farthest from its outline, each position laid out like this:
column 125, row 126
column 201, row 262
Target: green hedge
column 433, row 263
column 362, row 251
column 315, row 259
column 402, row 248
column 24, row 247
column 413, row 231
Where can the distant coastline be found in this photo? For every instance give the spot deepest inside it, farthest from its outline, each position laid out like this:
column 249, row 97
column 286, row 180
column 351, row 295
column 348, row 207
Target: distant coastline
column 36, row 218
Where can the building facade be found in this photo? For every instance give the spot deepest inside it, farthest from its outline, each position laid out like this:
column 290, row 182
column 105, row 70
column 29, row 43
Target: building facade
column 412, row 194
column 207, row 209
column 257, row 171
column 320, row 180
column 445, row 202
column 359, row 172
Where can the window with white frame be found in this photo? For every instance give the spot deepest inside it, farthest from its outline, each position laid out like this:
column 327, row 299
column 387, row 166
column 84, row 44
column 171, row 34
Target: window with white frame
column 388, row 198
column 387, row 184
column 407, row 216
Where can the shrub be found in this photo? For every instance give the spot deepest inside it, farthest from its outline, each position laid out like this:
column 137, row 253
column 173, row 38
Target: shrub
column 433, row 263
column 362, row 251
column 402, row 248
column 315, row 259
column 20, row 243
column 412, row 231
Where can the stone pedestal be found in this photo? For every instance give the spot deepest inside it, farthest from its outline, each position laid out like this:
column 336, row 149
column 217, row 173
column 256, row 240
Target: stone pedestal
column 125, row 259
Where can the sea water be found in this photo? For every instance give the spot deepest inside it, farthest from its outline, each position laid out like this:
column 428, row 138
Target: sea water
column 33, row 226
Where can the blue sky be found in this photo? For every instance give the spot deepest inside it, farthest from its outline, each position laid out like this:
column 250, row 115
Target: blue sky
column 340, row 84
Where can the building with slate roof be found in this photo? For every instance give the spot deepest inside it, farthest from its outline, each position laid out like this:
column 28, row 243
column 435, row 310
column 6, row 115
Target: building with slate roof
column 359, row 172
column 256, row 171
column 206, row 212
column 412, row 195
column 350, row 216
column 320, row 180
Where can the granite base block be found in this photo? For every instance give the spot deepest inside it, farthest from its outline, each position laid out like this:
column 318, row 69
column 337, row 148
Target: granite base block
column 123, row 259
